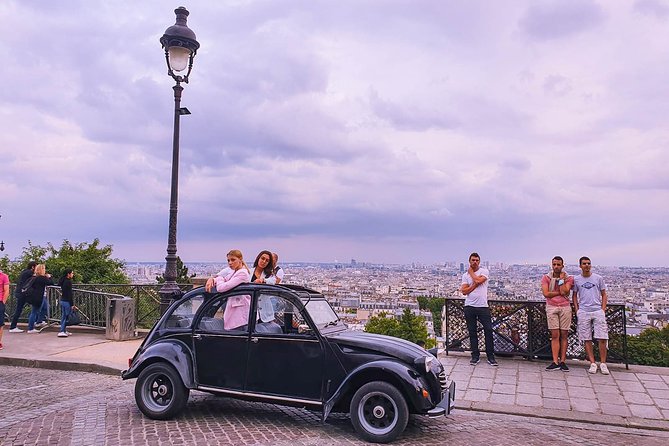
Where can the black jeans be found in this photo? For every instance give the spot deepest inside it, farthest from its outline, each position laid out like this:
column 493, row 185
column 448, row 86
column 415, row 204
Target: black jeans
column 20, row 303
column 482, row 315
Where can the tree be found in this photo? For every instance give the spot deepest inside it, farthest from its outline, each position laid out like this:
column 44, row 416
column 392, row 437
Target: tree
column 651, row 347
column 409, row 326
column 435, row 305
column 182, row 273
column 90, row 262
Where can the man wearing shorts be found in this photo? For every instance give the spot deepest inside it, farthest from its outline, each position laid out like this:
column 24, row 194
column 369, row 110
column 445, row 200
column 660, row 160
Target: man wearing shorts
column 555, row 286
column 590, row 305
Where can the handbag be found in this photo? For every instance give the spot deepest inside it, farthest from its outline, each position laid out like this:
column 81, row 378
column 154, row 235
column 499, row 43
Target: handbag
column 73, row 318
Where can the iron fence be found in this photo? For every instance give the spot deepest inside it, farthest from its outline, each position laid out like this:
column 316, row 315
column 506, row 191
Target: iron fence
column 520, row 328
column 91, row 299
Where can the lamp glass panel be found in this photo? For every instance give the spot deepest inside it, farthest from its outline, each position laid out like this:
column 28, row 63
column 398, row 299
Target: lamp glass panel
column 179, row 58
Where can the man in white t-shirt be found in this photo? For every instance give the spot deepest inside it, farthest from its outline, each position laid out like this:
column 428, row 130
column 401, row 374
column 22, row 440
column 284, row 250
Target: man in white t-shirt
column 475, row 287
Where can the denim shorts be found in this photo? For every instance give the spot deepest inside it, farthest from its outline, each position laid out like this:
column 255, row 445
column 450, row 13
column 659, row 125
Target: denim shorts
column 2, row 314
column 589, row 320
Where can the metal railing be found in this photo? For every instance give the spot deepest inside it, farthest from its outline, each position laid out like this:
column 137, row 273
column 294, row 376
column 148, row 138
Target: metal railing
column 520, row 328
column 92, row 301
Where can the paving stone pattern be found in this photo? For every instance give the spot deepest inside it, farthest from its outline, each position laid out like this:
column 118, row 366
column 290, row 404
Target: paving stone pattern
column 623, row 393
column 49, row 407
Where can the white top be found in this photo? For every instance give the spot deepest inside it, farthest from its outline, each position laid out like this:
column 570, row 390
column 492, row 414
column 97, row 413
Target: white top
column 478, row 297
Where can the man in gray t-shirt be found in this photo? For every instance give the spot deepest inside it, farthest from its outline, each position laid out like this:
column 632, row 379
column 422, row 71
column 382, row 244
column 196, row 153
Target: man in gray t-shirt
column 590, row 305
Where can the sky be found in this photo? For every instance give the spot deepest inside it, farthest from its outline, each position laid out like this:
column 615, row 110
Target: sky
column 382, row 131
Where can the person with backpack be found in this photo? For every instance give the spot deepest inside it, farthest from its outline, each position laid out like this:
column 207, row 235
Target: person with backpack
column 33, row 292
column 25, row 275
column 66, row 302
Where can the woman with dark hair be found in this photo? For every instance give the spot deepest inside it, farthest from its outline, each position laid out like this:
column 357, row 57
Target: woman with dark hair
column 263, row 268
column 66, row 302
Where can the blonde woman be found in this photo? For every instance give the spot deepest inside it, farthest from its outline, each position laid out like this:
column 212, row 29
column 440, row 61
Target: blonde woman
column 237, row 308
column 35, row 293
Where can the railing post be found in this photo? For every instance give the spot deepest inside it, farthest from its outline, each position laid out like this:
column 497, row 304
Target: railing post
column 530, row 330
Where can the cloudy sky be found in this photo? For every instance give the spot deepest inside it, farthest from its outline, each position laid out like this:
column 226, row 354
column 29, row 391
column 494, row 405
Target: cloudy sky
column 385, row 131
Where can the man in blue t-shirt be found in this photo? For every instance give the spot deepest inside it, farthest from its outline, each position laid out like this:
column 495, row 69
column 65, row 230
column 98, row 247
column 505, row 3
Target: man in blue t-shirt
column 590, row 305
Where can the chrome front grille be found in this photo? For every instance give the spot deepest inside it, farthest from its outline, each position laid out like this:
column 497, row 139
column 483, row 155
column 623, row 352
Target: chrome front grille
column 443, row 382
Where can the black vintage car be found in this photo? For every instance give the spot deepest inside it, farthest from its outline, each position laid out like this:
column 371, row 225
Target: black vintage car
column 285, row 345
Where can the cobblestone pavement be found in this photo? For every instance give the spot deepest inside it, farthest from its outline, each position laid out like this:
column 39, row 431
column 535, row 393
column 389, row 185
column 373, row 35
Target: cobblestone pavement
column 52, row 407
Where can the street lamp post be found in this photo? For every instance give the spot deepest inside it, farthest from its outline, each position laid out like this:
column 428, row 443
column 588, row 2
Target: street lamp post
column 180, row 48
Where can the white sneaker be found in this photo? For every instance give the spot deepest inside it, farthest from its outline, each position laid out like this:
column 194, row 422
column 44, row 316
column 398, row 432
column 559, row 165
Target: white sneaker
column 62, row 334
column 604, row 369
column 68, row 333
column 16, row 330
column 40, row 325
column 33, row 331
column 593, row 368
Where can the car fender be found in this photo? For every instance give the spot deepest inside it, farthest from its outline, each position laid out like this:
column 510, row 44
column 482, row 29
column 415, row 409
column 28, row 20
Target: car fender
column 397, row 373
column 172, row 351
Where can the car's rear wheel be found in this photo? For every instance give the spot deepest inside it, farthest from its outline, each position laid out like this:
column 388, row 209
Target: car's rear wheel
column 379, row 412
column 159, row 392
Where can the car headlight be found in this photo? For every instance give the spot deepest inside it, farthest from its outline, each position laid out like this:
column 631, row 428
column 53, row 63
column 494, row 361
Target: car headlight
column 428, row 363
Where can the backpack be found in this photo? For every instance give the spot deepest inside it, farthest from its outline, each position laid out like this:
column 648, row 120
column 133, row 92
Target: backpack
column 28, row 291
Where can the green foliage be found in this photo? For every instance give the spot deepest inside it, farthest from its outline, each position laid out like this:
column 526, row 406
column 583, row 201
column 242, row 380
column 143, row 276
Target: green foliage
column 408, row 326
column 435, row 305
column 182, row 274
column 651, row 347
column 91, row 262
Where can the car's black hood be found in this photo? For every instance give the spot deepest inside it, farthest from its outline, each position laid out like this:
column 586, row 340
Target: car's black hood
column 396, row 347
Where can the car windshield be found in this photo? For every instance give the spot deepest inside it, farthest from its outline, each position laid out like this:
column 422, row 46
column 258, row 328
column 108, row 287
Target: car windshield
column 321, row 312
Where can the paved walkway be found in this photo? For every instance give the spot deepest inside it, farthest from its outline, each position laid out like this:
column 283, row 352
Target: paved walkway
column 638, row 397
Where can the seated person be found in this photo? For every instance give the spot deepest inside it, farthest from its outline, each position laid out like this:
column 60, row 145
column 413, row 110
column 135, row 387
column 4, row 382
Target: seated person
column 266, row 316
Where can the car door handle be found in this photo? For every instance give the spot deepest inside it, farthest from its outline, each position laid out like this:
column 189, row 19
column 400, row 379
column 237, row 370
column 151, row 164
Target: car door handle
column 254, row 340
column 197, row 336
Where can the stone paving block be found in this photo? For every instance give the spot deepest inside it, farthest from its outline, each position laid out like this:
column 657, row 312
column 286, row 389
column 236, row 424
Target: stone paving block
column 598, row 378
column 526, row 399
column 505, row 379
column 581, row 392
column 484, row 370
column 549, row 392
column 578, row 381
column 661, row 403
column 637, row 398
column 502, row 398
column 645, row 411
column 554, row 384
column 615, row 409
column 480, row 383
column 665, row 378
column 655, row 385
column 509, row 389
column 459, row 377
column 583, row 405
column 533, row 388
column 610, row 398
column 644, row 377
column 619, row 375
column 631, row 386
column 557, row 403
column 664, row 394
column 477, row 395
column 606, row 388
column 533, row 377
column 666, row 414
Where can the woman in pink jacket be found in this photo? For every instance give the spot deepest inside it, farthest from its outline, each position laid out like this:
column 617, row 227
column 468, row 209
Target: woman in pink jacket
column 238, row 307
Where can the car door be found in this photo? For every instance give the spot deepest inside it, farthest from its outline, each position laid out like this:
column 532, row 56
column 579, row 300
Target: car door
column 284, row 360
column 220, row 340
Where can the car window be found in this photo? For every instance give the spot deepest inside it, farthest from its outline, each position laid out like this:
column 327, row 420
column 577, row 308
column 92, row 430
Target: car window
column 227, row 313
column 183, row 315
column 277, row 315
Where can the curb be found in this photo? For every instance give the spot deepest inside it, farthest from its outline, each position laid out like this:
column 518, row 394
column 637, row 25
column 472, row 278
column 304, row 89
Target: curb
column 564, row 415
column 60, row 365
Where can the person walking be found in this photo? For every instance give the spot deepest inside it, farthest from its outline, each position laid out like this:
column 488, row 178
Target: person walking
column 590, row 305
column 25, row 275
column 555, row 287
column 4, row 295
column 35, row 294
column 66, row 301
column 475, row 287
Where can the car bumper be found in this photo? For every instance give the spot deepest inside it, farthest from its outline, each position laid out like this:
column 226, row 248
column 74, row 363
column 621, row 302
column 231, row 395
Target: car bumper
column 446, row 404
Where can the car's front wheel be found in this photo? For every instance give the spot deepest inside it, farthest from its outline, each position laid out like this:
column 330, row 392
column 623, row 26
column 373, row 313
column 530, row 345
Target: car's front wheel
column 379, row 412
column 159, row 392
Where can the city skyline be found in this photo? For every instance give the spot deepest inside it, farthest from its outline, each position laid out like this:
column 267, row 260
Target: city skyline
column 392, row 132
